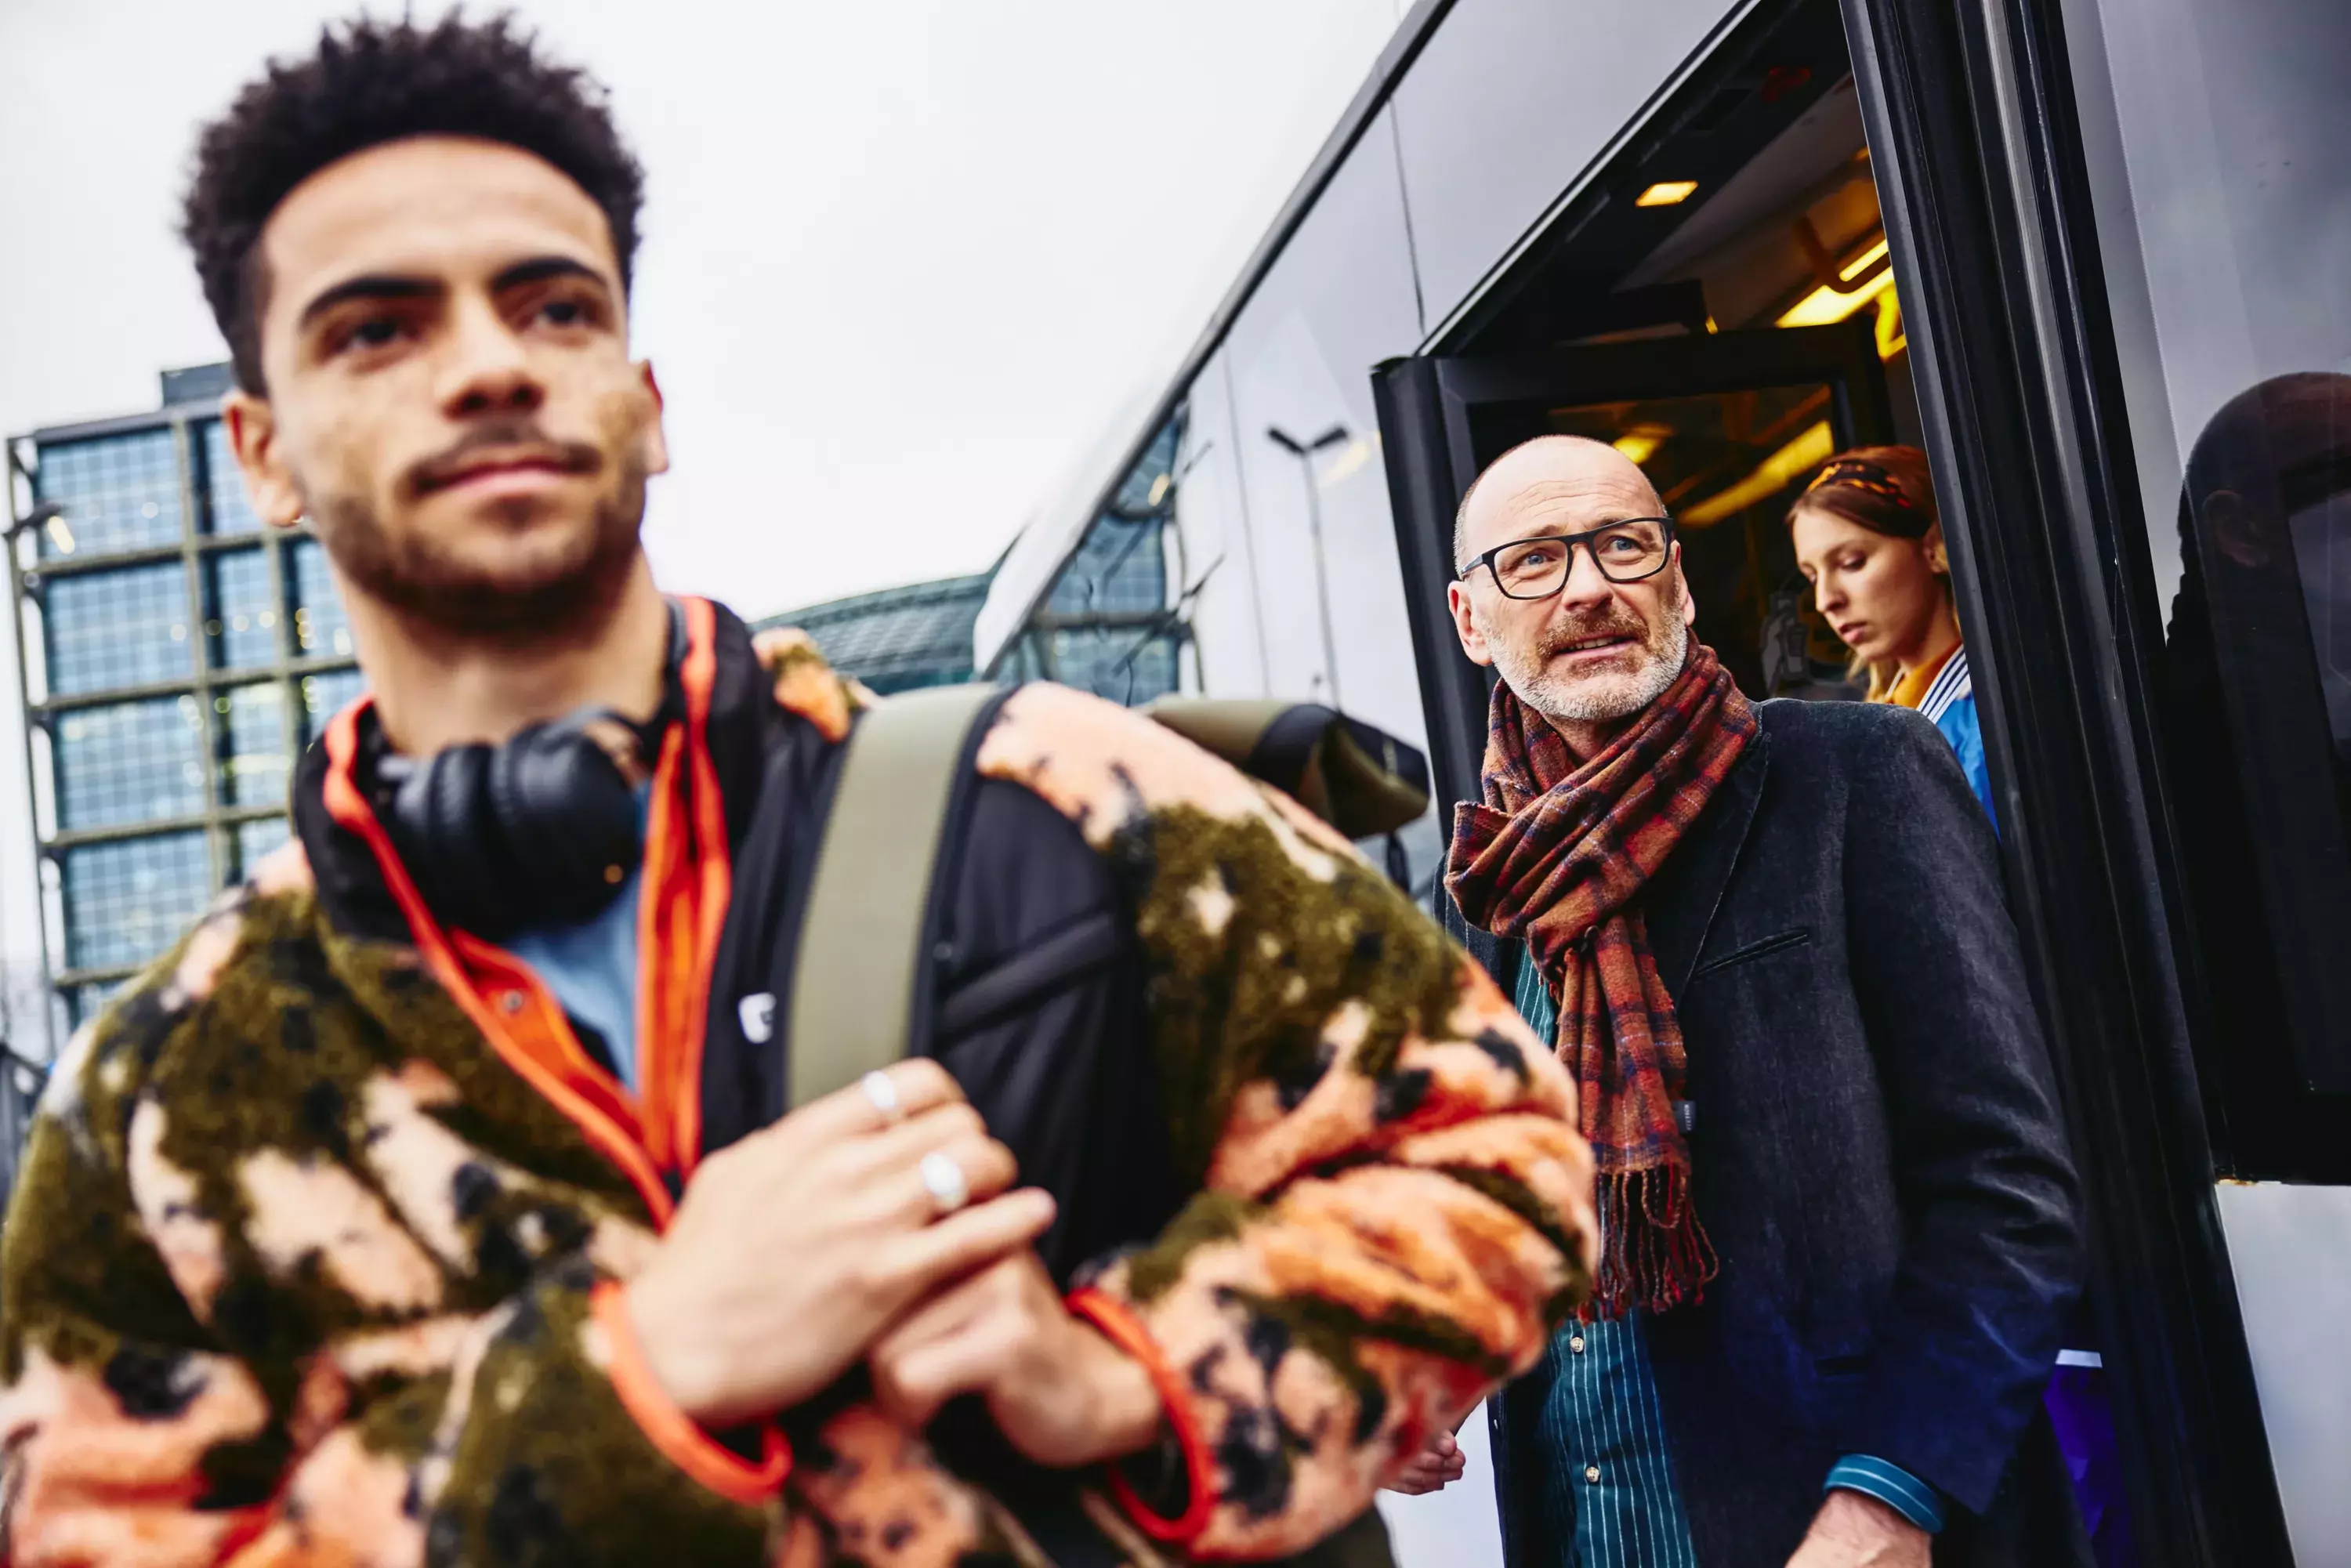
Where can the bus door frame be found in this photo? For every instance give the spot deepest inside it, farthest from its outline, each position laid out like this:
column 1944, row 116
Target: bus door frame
column 1429, row 408
column 1976, row 149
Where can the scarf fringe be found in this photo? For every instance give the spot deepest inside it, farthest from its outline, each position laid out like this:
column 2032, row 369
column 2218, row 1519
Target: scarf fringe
column 1655, row 1265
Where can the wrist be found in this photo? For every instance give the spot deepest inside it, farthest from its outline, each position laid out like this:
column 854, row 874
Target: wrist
column 1856, row 1517
column 679, row 1362
column 1128, row 1413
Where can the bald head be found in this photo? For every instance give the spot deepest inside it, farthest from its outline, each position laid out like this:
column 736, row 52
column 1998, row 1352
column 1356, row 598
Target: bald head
column 1551, row 484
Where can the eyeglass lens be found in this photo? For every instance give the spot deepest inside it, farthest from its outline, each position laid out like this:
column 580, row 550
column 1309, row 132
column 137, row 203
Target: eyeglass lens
column 1627, row 553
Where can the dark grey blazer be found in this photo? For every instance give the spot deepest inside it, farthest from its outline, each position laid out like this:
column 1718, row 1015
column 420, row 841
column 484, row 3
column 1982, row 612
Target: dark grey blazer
column 1877, row 1151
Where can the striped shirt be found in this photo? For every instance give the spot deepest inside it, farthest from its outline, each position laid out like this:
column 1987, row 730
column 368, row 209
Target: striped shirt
column 1606, row 1484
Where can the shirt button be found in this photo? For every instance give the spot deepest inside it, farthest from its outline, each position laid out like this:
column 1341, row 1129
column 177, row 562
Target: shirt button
column 1575, row 1344
column 1592, row 1472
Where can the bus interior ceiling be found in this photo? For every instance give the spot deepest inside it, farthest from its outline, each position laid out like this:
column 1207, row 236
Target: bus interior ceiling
column 1725, row 229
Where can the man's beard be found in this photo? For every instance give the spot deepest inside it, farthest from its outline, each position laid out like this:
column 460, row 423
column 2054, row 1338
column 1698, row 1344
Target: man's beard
column 1599, row 698
column 561, row 593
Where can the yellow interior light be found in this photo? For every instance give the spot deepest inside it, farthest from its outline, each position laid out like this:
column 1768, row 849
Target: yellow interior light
column 1891, row 337
column 1667, row 194
column 1774, row 474
column 1159, row 488
column 1640, row 444
column 61, row 533
column 1825, row 306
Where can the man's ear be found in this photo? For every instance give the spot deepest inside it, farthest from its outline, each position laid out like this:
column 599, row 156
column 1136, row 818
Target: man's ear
column 1681, row 581
column 252, row 434
column 1464, row 623
column 655, row 439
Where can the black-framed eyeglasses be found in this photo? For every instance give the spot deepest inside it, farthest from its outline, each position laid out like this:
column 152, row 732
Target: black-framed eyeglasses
column 1624, row 552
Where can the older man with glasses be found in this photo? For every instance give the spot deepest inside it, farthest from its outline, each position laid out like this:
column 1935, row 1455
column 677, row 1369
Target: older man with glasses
column 1839, row 1218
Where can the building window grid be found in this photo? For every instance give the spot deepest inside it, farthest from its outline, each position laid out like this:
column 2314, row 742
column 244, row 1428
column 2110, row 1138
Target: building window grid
column 127, row 762
column 240, row 620
column 129, row 900
column 253, row 760
column 107, row 630
column 227, row 509
column 321, row 629
column 118, row 491
column 125, row 899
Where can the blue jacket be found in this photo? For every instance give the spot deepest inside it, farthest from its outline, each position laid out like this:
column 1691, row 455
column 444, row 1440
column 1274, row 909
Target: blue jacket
column 1877, row 1151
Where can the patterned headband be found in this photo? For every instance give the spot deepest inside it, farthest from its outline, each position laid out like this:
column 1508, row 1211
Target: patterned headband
column 1860, row 474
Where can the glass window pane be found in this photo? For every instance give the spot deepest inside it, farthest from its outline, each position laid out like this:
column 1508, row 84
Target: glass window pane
column 1126, row 665
column 1121, row 567
column 257, row 840
column 227, row 509
column 119, row 492
column 320, row 630
column 326, row 695
column 127, row 902
column 111, row 629
column 240, row 621
column 129, row 762
column 86, row 1002
column 251, row 729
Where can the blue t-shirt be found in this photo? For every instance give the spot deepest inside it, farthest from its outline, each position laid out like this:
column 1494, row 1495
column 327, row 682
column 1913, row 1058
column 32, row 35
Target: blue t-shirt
column 592, row 966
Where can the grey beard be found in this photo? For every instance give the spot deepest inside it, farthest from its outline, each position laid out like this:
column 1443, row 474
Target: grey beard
column 1601, row 701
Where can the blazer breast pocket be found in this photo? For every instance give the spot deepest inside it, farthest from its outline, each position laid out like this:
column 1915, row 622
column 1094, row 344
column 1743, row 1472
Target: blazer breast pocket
column 1779, row 942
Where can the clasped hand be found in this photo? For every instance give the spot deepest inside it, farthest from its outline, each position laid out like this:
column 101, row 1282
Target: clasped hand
column 816, row 1242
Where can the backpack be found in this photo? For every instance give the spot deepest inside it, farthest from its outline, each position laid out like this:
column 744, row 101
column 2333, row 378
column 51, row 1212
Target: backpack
column 867, row 924
column 868, row 914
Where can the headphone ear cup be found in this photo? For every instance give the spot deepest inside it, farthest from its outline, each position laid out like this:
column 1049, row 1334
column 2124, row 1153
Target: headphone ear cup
column 439, row 821
column 567, row 816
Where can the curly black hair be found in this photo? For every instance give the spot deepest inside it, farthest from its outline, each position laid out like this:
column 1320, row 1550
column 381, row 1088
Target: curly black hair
column 373, row 82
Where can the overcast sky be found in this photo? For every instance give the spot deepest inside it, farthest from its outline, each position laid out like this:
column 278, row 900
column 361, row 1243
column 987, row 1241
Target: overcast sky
column 905, row 260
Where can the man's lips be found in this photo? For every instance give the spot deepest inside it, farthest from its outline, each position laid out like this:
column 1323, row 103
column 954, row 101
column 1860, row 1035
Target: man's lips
column 1596, row 645
column 501, row 471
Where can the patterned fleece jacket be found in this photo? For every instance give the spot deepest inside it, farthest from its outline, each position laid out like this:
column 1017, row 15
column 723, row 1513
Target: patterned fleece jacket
column 314, row 1259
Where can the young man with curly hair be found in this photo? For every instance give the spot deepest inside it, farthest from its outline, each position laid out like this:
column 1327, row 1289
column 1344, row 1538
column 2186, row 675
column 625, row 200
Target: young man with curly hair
column 433, row 1199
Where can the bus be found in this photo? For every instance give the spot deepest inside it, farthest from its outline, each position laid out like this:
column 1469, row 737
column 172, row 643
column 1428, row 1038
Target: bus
column 2093, row 255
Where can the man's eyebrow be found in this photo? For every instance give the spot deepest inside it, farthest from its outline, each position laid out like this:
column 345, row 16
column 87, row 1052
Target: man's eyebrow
column 370, row 286
column 539, row 268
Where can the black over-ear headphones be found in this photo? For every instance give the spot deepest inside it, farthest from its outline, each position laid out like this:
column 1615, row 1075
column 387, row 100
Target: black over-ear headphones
column 541, row 829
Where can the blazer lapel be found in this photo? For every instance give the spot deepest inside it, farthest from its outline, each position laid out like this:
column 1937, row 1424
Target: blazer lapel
column 1680, row 903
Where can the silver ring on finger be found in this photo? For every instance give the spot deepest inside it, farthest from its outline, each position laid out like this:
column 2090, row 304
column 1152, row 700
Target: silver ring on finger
column 882, row 1094
column 944, row 1181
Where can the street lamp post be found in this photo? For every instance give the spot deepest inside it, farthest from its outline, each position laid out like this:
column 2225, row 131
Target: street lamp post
column 1304, row 452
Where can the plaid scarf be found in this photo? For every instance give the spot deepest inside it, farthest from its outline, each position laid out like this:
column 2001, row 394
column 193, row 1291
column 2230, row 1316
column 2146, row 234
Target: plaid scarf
column 1557, row 855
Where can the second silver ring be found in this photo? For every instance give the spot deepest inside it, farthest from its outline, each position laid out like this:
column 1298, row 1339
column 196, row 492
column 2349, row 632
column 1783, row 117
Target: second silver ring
column 944, row 1181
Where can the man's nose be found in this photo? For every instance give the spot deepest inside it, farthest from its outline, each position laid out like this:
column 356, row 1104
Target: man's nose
column 488, row 369
column 1585, row 584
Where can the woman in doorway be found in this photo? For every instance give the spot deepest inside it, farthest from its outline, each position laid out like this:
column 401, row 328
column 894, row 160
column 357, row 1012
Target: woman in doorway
column 1868, row 540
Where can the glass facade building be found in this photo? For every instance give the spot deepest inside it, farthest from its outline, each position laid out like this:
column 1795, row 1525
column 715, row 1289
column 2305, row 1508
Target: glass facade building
column 176, row 656
column 898, row 638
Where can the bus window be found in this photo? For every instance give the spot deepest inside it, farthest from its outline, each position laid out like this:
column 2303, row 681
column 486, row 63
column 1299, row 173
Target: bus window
column 2213, row 129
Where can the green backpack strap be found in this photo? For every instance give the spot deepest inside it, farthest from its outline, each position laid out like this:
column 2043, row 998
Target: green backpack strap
column 863, row 957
